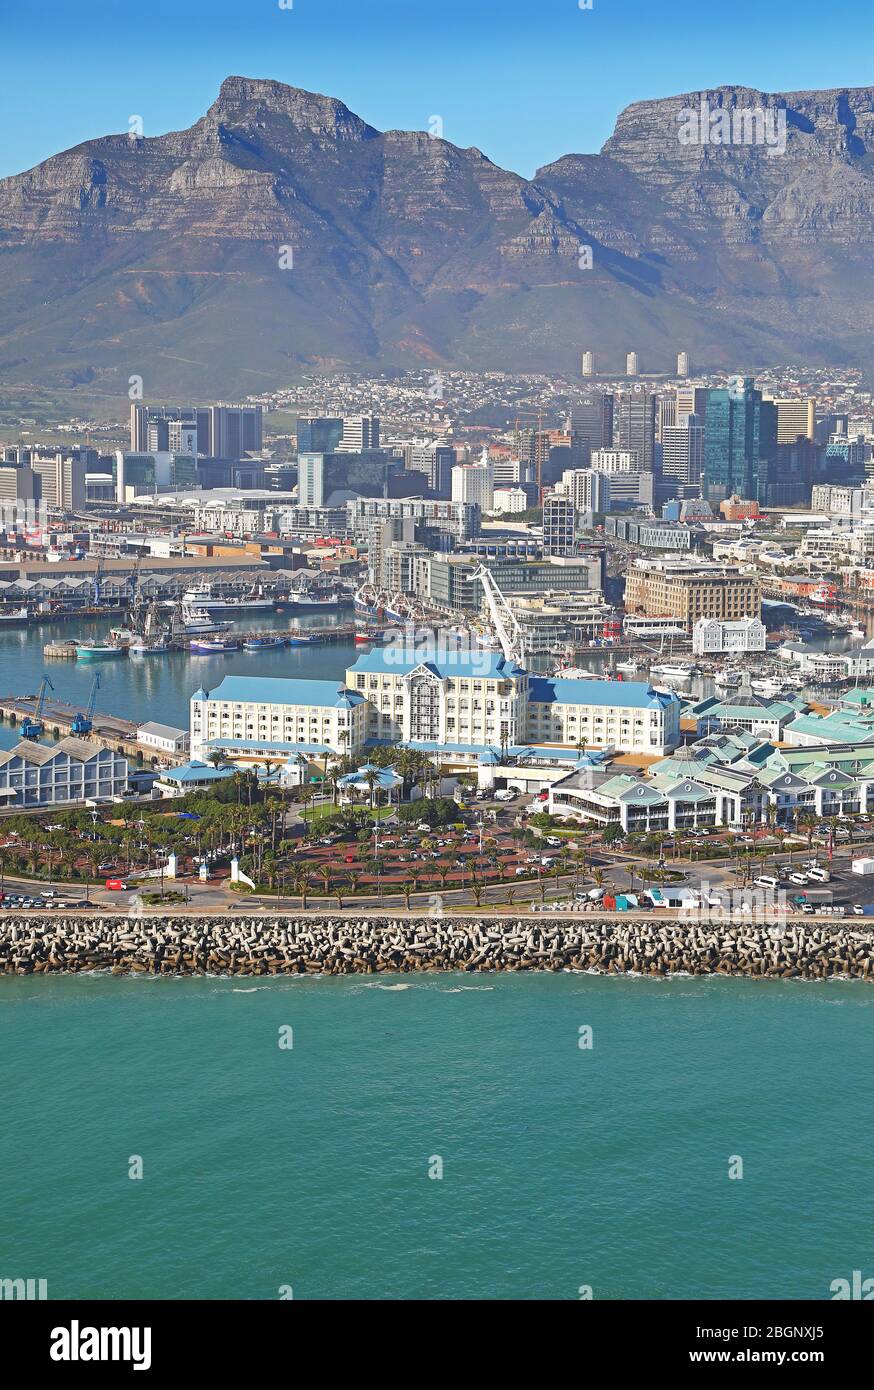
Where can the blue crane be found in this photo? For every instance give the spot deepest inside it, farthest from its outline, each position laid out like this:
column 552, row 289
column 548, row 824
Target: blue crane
column 32, row 728
column 82, row 723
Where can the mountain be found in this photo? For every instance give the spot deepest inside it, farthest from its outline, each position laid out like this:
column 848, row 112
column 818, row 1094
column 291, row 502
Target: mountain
column 161, row 257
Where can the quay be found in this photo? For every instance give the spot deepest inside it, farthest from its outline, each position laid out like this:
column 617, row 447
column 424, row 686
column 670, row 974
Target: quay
column 107, row 731
column 325, row 944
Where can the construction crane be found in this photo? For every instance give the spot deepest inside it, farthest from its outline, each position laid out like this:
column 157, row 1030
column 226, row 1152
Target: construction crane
column 95, row 586
column 32, row 728
column 508, row 631
column 83, row 723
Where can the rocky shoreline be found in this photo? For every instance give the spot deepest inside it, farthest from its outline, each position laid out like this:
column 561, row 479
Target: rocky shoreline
column 326, row 945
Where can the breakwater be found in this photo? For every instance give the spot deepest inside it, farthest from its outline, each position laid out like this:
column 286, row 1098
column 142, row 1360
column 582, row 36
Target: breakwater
column 383, row 943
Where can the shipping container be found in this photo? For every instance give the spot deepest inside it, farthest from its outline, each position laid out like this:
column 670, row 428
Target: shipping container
column 863, row 866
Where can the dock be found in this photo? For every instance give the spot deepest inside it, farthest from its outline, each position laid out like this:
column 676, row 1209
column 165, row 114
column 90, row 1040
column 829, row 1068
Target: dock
column 107, row 730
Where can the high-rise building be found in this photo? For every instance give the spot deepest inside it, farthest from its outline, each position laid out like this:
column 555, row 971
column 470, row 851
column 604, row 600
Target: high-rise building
column 223, row 431
column 559, row 526
column 631, row 364
column 62, row 480
column 318, row 434
column 683, row 364
column 588, row 489
column 691, row 400
column 181, row 437
column 796, row 417
column 310, row 479
column 436, row 462
column 474, row 483
column 588, row 364
column 616, row 461
column 666, row 415
column 235, row 430
column 683, row 452
column 591, row 426
column 360, row 432
column 634, row 426
column 740, row 440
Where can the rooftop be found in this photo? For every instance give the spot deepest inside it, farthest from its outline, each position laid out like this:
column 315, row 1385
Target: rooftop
column 624, row 694
column 272, row 690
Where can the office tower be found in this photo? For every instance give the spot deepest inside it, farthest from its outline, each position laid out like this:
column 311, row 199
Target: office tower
column 591, row 425
column 634, row 426
column 139, row 427
column 235, row 430
column 691, row 400
column 18, row 483
column 360, row 432
column 318, row 434
column 507, row 472
column 616, row 461
column 310, row 480
column 740, row 441
column 631, row 364
column 559, row 526
column 62, row 481
column 588, row 364
column 474, row 483
column 796, row 417
column 829, row 425
column 435, row 462
column 667, row 414
column 181, row 437
column 683, row 364
column 683, row 452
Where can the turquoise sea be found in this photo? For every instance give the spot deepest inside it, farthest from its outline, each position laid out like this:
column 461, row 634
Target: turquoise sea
column 308, row 1167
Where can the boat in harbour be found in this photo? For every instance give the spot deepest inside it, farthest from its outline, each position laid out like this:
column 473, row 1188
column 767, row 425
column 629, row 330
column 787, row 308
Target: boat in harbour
column 197, row 622
column 99, row 651
column 203, row 596
column 11, row 616
column 629, row 668
column 139, row 647
column 263, row 644
column 212, row 646
column 674, row 670
column 304, row 639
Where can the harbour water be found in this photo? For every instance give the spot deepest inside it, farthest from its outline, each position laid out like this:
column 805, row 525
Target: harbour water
column 268, row 1168
column 159, row 687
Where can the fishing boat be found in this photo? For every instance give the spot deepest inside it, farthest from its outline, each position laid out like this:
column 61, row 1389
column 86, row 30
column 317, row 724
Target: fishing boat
column 197, row 622
column 99, row 651
column 263, row 644
column 304, row 639
column 727, row 680
column 15, row 615
column 314, row 598
column 211, row 646
column 203, row 596
column 142, row 648
column 370, row 634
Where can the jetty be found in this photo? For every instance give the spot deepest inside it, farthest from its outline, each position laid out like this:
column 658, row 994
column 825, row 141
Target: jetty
column 332, row 944
column 107, row 730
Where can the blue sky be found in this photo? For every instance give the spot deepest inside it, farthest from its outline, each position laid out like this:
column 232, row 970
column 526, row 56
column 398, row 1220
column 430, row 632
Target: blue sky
column 524, row 80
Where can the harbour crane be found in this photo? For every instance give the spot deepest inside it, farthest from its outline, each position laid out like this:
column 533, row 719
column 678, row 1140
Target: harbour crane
column 508, row 631
column 32, row 728
column 83, row 723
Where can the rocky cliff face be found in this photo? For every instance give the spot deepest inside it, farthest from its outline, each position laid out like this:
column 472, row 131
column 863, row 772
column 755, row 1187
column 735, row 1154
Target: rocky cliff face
column 164, row 256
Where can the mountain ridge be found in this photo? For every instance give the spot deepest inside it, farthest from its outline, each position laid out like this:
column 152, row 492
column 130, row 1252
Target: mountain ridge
column 161, row 256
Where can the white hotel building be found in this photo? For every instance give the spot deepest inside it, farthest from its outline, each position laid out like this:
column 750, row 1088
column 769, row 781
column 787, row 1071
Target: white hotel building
column 462, row 707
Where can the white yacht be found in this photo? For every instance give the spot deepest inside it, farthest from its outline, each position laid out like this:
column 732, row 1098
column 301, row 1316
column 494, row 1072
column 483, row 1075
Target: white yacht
column 197, row 622
column 674, row 670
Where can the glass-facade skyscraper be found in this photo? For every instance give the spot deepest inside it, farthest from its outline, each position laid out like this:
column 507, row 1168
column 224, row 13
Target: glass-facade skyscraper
column 740, row 440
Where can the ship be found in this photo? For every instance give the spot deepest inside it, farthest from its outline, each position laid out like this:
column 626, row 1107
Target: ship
column 202, row 596
column 197, row 622
column 140, row 647
column 263, row 644
column 16, row 615
column 303, row 639
column 211, row 646
column 99, row 651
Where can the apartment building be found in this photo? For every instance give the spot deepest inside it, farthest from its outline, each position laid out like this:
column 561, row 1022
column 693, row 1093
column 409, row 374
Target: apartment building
column 256, row 717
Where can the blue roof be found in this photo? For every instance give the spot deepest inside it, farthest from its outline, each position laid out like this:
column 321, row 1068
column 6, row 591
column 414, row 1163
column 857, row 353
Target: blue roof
column 626, row 694
column 385, row 777
column 272, row 690
column 242, row 744
column 196, row 772
column 483, row 664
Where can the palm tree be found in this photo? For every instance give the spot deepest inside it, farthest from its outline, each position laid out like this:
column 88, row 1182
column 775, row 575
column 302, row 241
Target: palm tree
column 371, row 781
column 325, row 873
column 301, row 884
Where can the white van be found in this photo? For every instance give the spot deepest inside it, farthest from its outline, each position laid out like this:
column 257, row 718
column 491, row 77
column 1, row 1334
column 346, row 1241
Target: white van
column 819, row 875
column 800, row 879
column 766, row 881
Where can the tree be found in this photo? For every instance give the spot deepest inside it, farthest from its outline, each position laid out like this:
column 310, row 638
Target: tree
column 301, row 884
column 371, row 781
